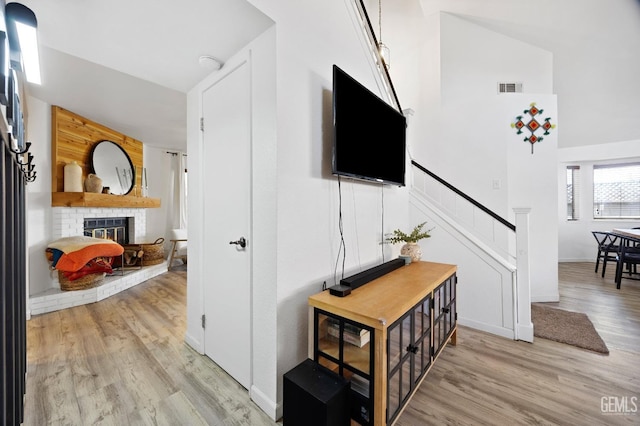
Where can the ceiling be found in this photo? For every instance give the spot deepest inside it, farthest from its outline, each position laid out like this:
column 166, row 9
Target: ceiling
column 129, row 64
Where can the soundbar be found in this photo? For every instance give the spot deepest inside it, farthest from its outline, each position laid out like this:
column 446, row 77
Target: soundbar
column 364, row 277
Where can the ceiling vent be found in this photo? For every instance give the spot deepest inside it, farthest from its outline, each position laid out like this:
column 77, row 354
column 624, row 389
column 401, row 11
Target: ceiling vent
column 509, row 87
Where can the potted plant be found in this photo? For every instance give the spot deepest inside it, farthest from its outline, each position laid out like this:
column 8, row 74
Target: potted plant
column 411, row 247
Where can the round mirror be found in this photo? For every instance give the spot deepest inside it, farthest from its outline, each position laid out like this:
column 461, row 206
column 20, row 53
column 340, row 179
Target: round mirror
column 112, row 164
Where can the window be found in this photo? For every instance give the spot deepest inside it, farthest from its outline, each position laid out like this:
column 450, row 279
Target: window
column 573, row 191
column 616, row 191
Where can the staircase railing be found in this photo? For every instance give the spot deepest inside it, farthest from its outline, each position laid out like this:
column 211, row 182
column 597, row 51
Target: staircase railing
column 485, row 236
column 466, row 213
column 373, row 44
column 507, row 249
column 466, row 197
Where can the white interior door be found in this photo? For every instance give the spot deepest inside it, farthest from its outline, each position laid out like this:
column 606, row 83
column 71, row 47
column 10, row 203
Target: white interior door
column 227, row 205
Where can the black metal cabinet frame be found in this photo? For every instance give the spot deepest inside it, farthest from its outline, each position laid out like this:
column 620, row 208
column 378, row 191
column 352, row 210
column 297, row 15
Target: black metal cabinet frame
column 362, row 406
column 414, row 341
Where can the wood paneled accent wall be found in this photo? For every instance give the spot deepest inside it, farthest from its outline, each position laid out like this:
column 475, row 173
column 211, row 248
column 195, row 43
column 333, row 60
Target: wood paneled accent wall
column 73, row 138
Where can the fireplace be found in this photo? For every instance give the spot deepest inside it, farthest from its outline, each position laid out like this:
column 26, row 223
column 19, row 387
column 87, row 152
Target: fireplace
column 69, row 222
column 111, row 228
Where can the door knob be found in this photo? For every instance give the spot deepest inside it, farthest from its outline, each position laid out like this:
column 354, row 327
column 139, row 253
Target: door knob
column 241, row 242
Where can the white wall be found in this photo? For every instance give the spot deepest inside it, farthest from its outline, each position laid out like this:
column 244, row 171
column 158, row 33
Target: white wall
column 295, row 228
column 471, row 151
column 532, row 182
column 308, row 237
column 464, row 133
column 39, row 213
column 594, row 71
column 576, row 243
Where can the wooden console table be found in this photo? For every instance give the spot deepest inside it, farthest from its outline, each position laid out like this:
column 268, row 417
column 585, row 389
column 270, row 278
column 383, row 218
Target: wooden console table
column 385, row 335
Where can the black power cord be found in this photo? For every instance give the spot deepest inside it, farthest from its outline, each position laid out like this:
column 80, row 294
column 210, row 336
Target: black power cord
column 382, row 221
column 342, row 249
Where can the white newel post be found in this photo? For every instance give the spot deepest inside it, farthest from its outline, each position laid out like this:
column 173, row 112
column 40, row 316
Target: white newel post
column 524, row 326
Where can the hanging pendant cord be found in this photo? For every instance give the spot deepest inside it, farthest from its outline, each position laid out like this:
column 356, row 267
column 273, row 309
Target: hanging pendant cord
column 380, row 19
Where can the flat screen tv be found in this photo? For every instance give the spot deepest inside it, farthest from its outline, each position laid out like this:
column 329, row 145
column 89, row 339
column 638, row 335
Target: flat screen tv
column 369, row 135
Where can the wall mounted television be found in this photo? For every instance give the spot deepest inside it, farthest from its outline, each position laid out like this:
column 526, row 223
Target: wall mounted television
column 369, row 135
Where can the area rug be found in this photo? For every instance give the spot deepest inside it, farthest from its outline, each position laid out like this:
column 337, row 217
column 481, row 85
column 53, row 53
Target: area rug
column 572, row 328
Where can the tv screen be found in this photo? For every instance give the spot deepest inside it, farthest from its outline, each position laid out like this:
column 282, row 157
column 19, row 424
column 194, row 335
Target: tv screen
column 369, row 134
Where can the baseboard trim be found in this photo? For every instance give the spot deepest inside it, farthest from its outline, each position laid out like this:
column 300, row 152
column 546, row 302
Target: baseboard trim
column 194, row 343
column 541, row 298
column 525, row 332
column 499, row 331
column 590, row 260
column 271, row 408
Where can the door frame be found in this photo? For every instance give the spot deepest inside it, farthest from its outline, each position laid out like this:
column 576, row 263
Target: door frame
column 244, row 59
column 265, row 368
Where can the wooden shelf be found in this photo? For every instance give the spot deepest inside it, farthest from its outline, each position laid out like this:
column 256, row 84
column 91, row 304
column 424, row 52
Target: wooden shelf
column 90, row 199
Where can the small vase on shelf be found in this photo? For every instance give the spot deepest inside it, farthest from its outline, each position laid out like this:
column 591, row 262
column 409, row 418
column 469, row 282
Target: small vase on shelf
column 72, row 177
column 413, row 250
column 93, row 184
column 411, row 247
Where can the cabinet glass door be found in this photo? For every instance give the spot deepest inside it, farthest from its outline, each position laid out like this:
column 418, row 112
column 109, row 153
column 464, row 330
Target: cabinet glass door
column 444, row 312
column 346, row 347
column 450, row 306
column 357, row 347
column 327, row 342
column 399, row 363
column 422, row 338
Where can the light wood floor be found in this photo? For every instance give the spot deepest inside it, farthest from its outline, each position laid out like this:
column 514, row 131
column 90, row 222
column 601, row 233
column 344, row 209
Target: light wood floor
column 494, row 381
column 123, row 361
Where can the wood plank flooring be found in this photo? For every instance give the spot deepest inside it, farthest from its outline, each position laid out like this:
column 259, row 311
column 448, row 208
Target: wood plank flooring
column 123, row 361
column 489, row 380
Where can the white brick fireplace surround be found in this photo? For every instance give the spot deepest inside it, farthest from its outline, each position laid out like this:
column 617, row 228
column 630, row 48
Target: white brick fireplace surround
column 69, row 222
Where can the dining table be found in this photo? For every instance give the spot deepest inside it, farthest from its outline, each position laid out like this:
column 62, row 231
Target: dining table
column 627, row 254
column 627, row 232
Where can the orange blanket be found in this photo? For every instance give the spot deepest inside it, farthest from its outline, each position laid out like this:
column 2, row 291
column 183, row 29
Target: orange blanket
column 78, row 251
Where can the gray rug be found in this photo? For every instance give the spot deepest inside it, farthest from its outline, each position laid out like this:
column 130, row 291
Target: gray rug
column 572, row 328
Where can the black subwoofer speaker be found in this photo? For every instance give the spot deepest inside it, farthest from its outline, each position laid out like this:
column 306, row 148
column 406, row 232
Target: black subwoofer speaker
column 314, row 395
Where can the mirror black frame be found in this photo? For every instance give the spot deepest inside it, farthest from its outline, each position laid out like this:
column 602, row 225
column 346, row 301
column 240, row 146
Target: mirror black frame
column 132, row 167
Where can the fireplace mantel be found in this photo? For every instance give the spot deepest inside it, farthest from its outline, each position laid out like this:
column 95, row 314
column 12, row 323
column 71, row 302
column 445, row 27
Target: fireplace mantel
column 72, row 139
column 90, row 199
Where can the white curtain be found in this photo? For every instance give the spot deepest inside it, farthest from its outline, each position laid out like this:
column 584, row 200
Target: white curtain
column 178, row 208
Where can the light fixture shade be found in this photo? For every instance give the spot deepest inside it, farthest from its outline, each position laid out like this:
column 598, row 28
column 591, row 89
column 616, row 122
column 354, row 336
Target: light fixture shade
column 23, row 39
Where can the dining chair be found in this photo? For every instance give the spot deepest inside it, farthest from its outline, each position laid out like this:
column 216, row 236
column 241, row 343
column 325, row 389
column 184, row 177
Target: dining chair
column 628, row 257
column 608, row 247
column 178, row 246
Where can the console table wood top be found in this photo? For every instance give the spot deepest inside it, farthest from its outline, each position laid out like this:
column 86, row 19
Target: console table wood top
column 382, row 301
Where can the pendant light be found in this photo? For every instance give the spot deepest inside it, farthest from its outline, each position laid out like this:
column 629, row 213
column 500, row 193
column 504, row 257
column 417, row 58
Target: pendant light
column 383, row 49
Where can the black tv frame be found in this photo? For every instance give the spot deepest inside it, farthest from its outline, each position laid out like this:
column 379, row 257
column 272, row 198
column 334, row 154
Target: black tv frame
column 369, row 112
